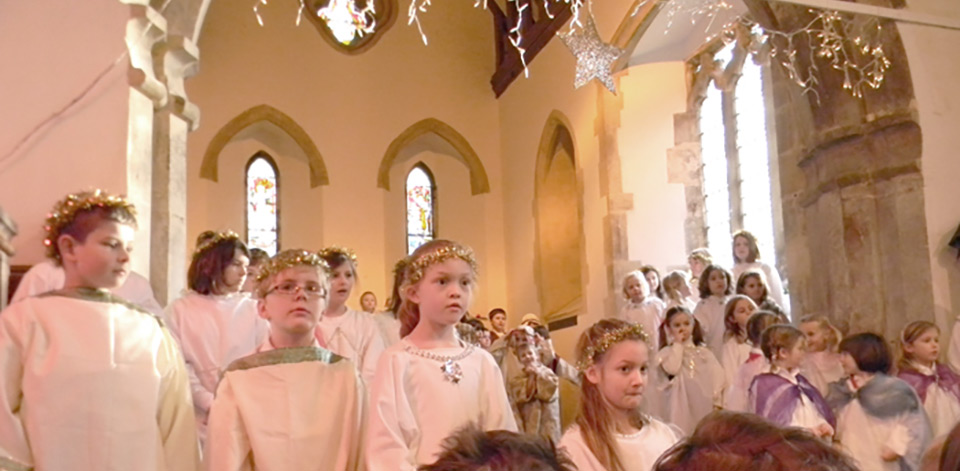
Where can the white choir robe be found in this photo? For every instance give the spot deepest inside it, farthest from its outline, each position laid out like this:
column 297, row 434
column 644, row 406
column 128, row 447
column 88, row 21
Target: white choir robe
column 92, row 383
column 696, row 386
column 637, row 452
column 771, row 276
column 734, row 355
column 821, row 369
column 48, row 276
column 414, row 407
column 649, row 314
column 942, row 407
column 289, row 409
column 213, row 332
column 953, row 351
column 389, row 328
column 737, row 398
column 356, row 336
column 709, row 313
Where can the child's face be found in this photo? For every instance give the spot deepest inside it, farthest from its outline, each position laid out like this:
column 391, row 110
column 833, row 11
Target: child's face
column 341, row 283
column 250, row 283
column 499, row 321
column 680, row 327
column 741, row 248
column 717, row 283
column 102, row 260
column 753, row 288
column 235, row 273
column 528, row 354
column 816, row 338
column 926, row 348
column 484, row 338
column 294, row 301
column 622, row 374
column 443, row 294
column 790, row 358
column 742, row 311
column 634, row 288
column 652, row 280
column 368, row 302
column 849, row 364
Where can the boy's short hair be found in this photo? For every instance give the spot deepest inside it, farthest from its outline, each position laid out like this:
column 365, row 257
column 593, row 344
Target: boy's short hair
column 472, row 449
column 79, row 214
column 495, row 311
column 869, row 350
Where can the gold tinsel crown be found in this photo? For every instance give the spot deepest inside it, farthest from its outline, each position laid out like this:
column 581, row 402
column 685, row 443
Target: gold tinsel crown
column 215, row 239
column 338, row 250
column 66, row 210
column 608, row 340
column 417, row 266
column 289, row 259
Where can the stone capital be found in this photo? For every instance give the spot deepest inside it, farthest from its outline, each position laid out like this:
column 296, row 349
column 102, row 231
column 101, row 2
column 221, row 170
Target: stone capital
column 145, row 28
column 181, row 60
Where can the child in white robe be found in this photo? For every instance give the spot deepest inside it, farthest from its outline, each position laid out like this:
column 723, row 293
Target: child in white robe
column 215, row 322
column 431, row 384
column 736, row 348
column 351, row 334
column 715, row 287
column 48, row 276
column 676, row 291
column 92, row 382
column 936, row 383
column 642, row 307
column 292, row 405
column 736, row 397
column 881, row 423
column 746, row 256
column 611, row 433
column 822, row 364
column 695, row 379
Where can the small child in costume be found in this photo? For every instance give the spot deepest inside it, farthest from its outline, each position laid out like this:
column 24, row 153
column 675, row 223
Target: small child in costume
column 936, row 383
column 880, row 420
column 291, row 405
column 783, row 395
column 736, row 347
column 715, row 289
column 695, row 379
column 611, row 433
column 642, row 307
column 822, row 364
column 534, row 393
column 736, row 398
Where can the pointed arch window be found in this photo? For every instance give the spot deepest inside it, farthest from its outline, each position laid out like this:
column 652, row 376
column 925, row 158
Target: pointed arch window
column 421, row 193
column 263, row 212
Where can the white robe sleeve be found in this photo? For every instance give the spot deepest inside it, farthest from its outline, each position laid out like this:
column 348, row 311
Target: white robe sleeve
column 175, row 416
column 372, row 349
column 775, row 285
column 953, row 353
column 670, row 358
column 40, row 278
column 497, row 413
column 392, row 427
column 202, row 399
column 14, row 447
column 228, row 445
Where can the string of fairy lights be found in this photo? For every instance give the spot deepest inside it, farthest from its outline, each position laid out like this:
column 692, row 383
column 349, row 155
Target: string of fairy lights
column 831, row 39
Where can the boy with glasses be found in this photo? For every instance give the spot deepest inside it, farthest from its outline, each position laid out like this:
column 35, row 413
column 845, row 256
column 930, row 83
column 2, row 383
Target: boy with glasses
column 292, row 404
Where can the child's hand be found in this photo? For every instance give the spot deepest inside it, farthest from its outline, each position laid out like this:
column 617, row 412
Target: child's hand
column 888, row 455
column 824, row 431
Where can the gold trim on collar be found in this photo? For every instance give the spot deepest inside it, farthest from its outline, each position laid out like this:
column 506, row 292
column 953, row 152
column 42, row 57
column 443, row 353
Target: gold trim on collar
column 99, row 296
column 7, row 464
column 283, row 356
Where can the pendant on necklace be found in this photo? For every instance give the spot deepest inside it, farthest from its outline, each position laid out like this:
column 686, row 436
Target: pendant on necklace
column 451, row 371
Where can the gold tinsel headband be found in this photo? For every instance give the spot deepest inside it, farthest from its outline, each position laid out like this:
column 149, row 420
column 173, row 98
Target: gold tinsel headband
column 216, row 239
column 289, row 259
column 66, row 210
column 338, row 250
column 608, row 340
column 417, row 266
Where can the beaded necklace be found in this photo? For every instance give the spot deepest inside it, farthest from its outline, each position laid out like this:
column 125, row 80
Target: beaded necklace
column 449, row 364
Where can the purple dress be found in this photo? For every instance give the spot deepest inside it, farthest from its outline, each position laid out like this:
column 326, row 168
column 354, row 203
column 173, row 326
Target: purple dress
column 776, row 398
column 942, row 376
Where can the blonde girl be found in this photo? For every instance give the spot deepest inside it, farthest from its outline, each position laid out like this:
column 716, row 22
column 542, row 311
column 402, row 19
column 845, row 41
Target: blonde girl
column 611, row 433
column 676, row 290
column 642, row 307
column 736, row 348
column 936, row 383
column 695, row 379
column 431, row 383
column 822, row 363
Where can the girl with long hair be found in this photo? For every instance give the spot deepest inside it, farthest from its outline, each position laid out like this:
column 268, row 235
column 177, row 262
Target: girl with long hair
column 936, row 383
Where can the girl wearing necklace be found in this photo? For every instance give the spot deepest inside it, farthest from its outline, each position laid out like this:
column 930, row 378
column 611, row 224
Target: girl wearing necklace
column 431, row 383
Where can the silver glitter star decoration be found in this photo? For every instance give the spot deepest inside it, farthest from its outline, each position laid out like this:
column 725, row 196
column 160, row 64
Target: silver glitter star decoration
column 595, row 58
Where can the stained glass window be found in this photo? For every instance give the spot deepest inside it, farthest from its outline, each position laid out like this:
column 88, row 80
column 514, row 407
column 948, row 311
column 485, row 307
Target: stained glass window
column 421, row 221
column 262, row 216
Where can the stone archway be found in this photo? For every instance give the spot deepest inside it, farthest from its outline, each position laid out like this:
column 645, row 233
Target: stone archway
column 479, row 184
column 267, row 113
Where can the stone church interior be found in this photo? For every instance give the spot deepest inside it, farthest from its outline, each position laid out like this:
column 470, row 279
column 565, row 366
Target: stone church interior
column 568, row 143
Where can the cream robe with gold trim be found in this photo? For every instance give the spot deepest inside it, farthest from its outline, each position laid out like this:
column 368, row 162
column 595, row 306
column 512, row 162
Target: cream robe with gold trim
column 90, row 382
column 289, row 409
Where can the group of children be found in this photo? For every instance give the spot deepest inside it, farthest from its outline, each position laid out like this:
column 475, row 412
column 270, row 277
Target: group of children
column 289, row 377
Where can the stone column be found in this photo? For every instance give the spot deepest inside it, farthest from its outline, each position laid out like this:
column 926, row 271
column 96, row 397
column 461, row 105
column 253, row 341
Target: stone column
column 8, row 229
column 178, row 59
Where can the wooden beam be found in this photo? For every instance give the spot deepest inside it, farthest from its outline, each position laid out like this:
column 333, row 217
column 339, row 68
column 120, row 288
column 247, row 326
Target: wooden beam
column 903, row 16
